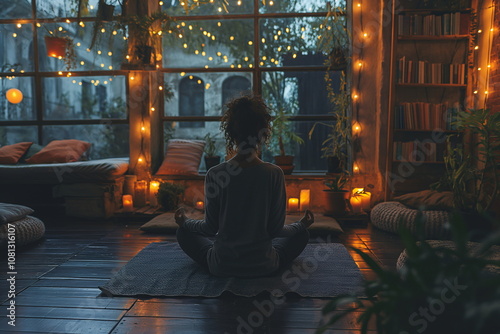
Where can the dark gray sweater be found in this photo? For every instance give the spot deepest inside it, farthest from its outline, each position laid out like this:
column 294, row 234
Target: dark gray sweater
column 245, row 209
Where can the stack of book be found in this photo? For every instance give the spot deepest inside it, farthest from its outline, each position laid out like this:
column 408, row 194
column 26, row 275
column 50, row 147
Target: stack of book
column 426, row 116
column 434, row 24
column 415, row 151
column 424, row 72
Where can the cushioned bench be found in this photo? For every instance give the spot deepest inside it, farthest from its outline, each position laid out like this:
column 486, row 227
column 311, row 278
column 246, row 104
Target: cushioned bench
column 90, row 189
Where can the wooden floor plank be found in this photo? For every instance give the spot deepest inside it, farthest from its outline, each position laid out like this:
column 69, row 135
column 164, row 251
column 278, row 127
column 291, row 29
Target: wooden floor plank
column 91, row 303
column 69, row 283
column 63, row 326
column 69, row 313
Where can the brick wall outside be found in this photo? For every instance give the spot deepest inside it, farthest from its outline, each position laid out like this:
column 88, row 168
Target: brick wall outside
column 494, row 96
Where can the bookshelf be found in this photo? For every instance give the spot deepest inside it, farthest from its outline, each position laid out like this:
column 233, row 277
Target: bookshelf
column 429, row 85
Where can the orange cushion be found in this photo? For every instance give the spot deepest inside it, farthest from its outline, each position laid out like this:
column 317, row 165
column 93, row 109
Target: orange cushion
column 68, row 150
column 182, row 157
column 10, row 154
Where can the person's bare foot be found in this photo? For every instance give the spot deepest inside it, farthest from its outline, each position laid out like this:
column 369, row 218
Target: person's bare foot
column 308, row 219
column 180, row 216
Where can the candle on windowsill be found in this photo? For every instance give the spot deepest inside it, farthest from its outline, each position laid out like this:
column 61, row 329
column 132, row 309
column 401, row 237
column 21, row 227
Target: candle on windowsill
column 364, row 197
column 305, row 197
column 199, row 205
column 293, row 204
column 140, row 193
column 356, row 204
column 153, row 190
column 127, row 202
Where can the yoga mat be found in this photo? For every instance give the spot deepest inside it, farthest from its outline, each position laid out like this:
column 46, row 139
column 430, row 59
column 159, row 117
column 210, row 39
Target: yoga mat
column 163, row 269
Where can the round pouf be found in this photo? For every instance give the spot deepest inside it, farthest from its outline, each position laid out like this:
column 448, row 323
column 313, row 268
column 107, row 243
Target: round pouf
column 389, row 216
column 494, row 254
column 26, row 230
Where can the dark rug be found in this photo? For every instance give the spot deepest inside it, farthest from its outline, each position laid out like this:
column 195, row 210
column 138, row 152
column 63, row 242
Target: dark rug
column 163, row 269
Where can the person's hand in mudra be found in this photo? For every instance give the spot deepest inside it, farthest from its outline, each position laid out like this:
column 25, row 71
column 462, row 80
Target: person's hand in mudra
column 308, row 219
column 180, row 217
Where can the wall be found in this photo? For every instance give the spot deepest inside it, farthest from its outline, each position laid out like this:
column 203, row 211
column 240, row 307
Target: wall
column 494, row 85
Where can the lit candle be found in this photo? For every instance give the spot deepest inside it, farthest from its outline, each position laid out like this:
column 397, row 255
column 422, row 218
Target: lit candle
column 199, row 205
column 153, row 190
column 293, row 204
column 366, row 200
column 127, row 202
column 357, row 204
column 140, row 193
column 363, row 196
column 305, row 196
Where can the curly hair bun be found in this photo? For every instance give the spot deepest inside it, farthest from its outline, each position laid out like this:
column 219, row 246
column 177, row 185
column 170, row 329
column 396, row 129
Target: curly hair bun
column 246, row 122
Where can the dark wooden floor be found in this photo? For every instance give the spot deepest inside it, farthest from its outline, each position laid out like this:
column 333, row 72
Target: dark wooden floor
column 57, row 292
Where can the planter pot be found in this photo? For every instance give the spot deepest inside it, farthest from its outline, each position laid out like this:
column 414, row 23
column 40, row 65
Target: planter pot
column 105, row 11
column 333, row 165
column 143, row 53
column 336, row 202
column 56, row 46
column 212, row 161
column 285, row 162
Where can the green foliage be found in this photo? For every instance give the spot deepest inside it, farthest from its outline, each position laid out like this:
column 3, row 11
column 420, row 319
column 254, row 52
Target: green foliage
column 338, row 140
column 210, row 147
column 282, row 131
column 474, row 177
column 450, row 286
column 335, row 37
column 169, row 195
column 338, row 182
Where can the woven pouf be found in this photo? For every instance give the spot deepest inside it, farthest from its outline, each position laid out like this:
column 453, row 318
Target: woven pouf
column 26, row 230
column 494, row 253
column 389, row 216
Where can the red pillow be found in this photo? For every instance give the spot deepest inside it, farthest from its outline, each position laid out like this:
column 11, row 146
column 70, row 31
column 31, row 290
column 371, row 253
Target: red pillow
column 10, row 154
column 68, row 150
column 183, row 157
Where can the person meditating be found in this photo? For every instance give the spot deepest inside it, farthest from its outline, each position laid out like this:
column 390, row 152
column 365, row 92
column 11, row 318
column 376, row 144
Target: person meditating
column 245, row 204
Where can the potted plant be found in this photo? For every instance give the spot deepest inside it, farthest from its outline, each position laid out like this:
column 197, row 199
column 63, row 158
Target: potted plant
column 438, row 290
column 61, row 46
column 170, row 195
column 335, row 146
column 335, row 38
column 145, row 32
column 473, row 177
column 211, row 157
column 336, row 198
column 282, row 133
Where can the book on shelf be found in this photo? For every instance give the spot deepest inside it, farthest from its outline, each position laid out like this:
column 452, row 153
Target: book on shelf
column 445, row 24
column 426, row 116
column 415, row 151
column 424, row 72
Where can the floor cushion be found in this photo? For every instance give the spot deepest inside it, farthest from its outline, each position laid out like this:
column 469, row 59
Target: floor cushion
column 389, row 216
column 13, row 212
column 165, row 223
column 471, row 246
column 26, row 230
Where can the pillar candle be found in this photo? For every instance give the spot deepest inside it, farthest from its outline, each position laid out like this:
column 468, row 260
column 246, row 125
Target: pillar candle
column 357, row 204
column 199, row 205
column 129, row 185
column 153, row 190
column 293, row 204
column 366, row 200
column 128, row 203
column 305, row 196
column 140, row 193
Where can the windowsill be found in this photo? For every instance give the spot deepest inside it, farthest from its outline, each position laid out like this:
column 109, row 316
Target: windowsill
column 295, row 176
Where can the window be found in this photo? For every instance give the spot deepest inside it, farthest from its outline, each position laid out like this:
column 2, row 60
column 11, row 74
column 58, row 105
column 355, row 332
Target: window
column 272, row 52
column 192, row 100
column 226, row 49
column 87, row 102
column 233, row 87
